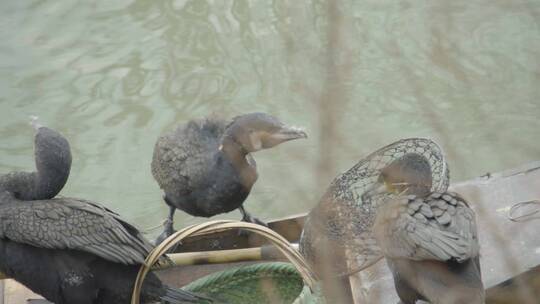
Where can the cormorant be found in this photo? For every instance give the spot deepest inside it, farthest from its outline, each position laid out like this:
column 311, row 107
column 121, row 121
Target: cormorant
column 66, row 249
column 337, row 239
column 429, row 238
column 205, row 166
column 53, row 163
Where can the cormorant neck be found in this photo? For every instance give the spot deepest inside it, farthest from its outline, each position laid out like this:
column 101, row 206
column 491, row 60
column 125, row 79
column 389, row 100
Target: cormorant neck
column 232, row 148
column 53, row 163
column 234, row 152
column 50, row 180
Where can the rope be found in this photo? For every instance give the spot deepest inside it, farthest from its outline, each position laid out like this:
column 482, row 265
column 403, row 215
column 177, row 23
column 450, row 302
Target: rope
column 526, row 216
column 152, row 228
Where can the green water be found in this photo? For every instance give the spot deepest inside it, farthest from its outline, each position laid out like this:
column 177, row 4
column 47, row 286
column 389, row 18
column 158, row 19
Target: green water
column 113, row 75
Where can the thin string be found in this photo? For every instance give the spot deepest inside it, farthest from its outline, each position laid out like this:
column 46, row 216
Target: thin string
column 155, row 227
column 527, row 215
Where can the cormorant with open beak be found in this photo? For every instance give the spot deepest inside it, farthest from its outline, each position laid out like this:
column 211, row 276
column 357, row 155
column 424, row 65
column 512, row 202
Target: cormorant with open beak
column 205, row 166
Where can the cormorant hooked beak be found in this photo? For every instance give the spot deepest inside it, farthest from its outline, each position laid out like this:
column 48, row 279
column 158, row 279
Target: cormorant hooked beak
column 384, row 187
column 289, row 133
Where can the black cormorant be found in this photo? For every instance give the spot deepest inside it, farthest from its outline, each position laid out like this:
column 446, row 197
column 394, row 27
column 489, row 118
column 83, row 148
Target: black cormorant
column 65, row 249
column 205, row 166
column 53, row 163
column 429, row 238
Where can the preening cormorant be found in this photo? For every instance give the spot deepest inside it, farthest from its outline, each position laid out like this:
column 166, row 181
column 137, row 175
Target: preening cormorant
column 337, row 239
column 66, row 249
column 53, row 163
column 205, row 166
column 429, row 238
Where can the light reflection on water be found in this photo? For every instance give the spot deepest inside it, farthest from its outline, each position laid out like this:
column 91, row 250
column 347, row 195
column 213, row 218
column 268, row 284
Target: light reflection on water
column 113, row 75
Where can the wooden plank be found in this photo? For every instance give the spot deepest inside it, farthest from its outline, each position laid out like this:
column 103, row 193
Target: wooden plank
column 508, row 292
column 289, row 227
column 507, row 248
column 16, row 293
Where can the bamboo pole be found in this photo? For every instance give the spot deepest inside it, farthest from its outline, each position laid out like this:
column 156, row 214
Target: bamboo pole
column 217, row 257
column 225, row 256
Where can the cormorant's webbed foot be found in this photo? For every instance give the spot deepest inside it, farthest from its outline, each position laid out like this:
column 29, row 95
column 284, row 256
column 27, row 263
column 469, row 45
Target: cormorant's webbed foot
column 168, row 228
column 246, row 217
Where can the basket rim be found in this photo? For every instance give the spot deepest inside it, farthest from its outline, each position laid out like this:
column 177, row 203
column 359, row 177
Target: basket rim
column 292, row 254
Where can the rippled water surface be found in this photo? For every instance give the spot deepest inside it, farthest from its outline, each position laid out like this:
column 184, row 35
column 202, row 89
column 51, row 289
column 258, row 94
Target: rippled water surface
column 113, row 75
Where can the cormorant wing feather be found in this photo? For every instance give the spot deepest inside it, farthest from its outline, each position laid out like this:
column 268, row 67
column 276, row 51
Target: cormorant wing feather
column 183, row 158
column 68, row 223
column 441, row 227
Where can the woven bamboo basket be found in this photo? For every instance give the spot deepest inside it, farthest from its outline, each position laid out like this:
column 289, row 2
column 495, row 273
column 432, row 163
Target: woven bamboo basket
column 241, row 284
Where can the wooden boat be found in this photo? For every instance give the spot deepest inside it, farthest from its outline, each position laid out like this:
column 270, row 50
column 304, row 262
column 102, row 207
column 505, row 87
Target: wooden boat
column 509, row 235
